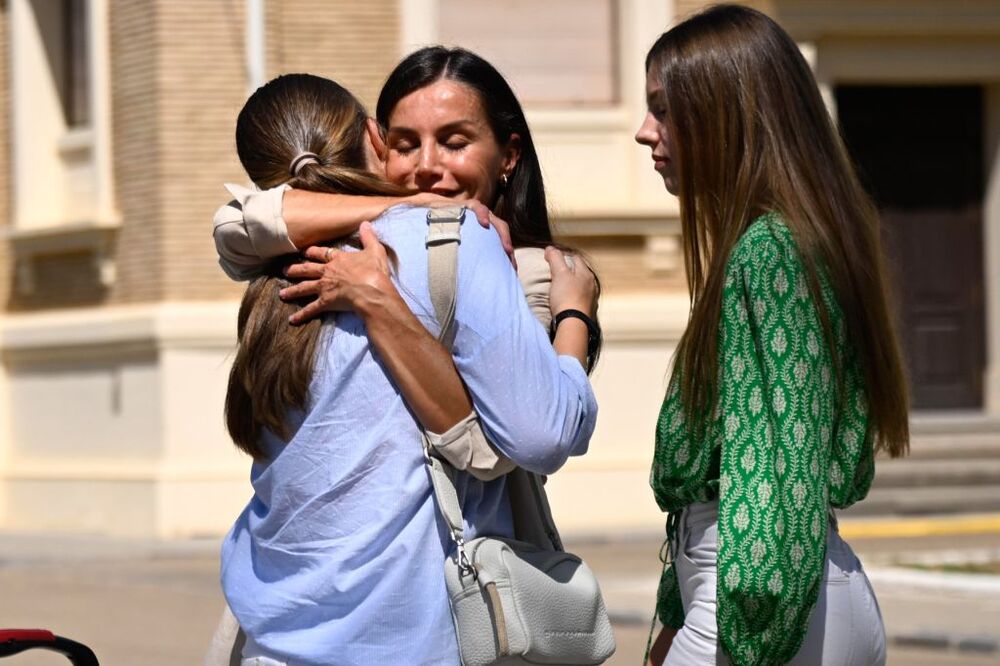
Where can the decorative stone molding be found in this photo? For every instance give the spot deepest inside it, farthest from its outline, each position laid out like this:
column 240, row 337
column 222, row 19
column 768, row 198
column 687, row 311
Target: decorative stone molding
column 96, row 237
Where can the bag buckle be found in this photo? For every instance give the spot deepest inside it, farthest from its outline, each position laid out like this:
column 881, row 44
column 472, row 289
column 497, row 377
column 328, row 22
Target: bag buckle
column 465, row 566
column 437, row 234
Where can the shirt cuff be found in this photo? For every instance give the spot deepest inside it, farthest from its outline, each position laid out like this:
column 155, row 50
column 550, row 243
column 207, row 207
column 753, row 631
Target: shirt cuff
column 570, row 365
column 466, row 447
column 265, row 225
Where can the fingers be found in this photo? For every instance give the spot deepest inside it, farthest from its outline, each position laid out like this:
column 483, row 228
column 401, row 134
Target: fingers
column 480, row 210
column 488, row 219
column 503, row 229
column 300, row 290
column 372, row 248
column 304, row 271
column 318, row 253
column 557, row 260
column 367, row 235
column 309, row 311
column 370, row 242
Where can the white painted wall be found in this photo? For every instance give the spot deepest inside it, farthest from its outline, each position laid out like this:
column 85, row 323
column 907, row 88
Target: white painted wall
column 116, row 421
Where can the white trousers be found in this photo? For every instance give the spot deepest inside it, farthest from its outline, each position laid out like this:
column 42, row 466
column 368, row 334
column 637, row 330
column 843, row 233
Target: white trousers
column 845, row 628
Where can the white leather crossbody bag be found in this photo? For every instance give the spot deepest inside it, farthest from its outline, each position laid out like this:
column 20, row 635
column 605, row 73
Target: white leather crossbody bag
column 514, row 601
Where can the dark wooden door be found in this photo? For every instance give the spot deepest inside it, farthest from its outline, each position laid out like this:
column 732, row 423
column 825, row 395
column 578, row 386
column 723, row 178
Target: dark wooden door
column 919, row 150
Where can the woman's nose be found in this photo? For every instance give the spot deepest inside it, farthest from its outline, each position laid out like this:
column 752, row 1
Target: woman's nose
column 428, row 160
column 647, row 135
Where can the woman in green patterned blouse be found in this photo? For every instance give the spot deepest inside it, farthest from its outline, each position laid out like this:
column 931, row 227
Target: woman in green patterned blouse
column 788, row 378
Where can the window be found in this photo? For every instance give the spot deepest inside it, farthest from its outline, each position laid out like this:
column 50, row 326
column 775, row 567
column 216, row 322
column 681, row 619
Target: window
column 61, row 157
column 75, row 84
column 558, row 52
column 577, row 67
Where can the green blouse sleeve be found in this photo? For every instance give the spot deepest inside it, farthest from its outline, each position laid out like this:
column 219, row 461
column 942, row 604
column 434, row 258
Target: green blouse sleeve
column 775, row 400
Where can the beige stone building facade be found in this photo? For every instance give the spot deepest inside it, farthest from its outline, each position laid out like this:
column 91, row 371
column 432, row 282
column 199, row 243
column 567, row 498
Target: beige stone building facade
column 116, row 325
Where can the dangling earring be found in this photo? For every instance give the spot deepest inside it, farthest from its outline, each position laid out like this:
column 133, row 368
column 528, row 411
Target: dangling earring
column 503, row 180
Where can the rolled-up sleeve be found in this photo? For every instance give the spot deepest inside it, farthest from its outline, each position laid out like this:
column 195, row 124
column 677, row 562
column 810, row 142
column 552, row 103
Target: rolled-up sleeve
column 249, row 231
column 535, row 277
column 537, row 407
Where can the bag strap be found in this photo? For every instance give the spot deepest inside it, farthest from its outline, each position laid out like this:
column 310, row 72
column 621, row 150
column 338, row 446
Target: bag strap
column 527, row 495
column 444, row 233
column 449, row 506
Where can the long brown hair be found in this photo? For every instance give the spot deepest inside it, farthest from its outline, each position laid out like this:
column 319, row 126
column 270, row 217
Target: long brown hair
column 287, row 116
column 750, row 135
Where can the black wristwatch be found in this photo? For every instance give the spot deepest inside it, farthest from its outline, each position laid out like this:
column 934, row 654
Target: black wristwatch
column 593, row 333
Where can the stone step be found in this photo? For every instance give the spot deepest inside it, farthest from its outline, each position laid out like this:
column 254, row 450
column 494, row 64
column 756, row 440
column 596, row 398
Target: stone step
column 928, row 500
column 919, row 472
column 954, row 447
column 954, row 435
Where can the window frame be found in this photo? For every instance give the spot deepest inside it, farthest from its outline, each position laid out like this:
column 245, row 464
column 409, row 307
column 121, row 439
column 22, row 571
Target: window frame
column 63, row 194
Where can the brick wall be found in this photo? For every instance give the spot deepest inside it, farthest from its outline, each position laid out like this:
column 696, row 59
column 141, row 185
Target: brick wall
column 178, row 81
column 201, row 83
column 136, row 149
column 353, row 43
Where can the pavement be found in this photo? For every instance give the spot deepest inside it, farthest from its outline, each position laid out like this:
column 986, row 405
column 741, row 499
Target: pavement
column 156, row 603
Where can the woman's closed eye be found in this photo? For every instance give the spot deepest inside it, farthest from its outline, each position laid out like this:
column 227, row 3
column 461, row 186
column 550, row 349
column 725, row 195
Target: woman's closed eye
column 403, row 146
column 456, row 142
column 658, row 111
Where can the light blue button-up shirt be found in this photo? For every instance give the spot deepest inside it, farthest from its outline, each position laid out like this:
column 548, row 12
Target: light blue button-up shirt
column 339, row 556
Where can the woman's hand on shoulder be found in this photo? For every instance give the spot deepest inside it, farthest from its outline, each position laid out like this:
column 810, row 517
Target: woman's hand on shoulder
column 340, row 281
column 487, row 219
column 574, row 285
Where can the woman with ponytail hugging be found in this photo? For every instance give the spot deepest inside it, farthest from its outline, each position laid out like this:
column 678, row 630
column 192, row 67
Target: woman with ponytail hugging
column 338, row 557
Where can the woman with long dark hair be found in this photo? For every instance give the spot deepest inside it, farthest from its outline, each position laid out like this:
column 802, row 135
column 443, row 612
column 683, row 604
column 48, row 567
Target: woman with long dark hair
column 788, row 378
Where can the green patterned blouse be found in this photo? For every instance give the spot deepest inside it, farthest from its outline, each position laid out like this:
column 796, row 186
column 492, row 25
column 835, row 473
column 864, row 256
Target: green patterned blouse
column 783, row 446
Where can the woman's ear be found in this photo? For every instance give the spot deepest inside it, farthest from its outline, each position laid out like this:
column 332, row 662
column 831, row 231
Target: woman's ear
column 376, row 139
column 511, row 153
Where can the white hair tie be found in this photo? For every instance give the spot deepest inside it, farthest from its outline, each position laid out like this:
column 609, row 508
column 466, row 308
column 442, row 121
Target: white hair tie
column 300, row 161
